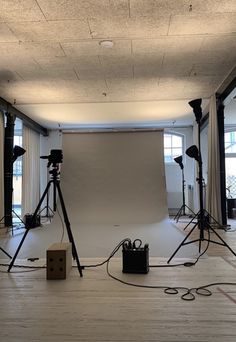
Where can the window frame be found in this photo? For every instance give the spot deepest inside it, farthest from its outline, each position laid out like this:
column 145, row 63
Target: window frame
column 230, row 154
column 179, row 135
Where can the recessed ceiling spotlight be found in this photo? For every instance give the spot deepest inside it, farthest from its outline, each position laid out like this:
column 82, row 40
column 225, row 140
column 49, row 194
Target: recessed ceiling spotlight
column 106, row 44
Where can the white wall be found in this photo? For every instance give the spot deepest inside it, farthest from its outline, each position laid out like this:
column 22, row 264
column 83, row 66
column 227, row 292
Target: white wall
column 174, row 173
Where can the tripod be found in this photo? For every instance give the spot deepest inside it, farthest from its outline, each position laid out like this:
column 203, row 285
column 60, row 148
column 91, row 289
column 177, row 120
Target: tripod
column 202, row 223
column 56, row 188
column 182, row 211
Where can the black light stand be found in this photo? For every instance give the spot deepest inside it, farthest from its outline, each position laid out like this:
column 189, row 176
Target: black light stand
column 55, row 158
column 18, row 151
column 202, row 223
column 181, row 211
column 15, row 152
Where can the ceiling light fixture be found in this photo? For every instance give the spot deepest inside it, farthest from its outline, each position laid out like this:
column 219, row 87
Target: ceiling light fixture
column 107, row 44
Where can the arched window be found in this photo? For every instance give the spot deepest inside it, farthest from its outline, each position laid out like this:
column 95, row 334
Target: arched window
column 173, row 146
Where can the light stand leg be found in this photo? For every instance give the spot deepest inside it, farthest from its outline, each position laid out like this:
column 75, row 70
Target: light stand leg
column 179, row 213
column 68, row 227
column 195, row 216
column 182, row 209
column 182, row 243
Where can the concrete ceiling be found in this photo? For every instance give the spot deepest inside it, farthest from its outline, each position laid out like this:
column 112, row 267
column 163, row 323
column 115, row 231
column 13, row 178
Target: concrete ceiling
column 165, row 53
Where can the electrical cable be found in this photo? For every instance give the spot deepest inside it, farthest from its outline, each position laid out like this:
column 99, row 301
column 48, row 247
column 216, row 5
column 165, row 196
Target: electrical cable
column 188, row 295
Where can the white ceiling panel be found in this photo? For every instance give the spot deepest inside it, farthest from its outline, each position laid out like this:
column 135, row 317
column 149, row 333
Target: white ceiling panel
column 52, row 62
column 173, row 7
column 71, row 9
column 210, row 69
column 220, row 43
column 43, row 49
column 200, row 57
column 48, row 30
column 114, row 67
column 203, row 24
column 163, row 53
column 6, row 34
column 20, row 10
column 116, row 27
column 47, row 75
column 227, row 6
column 93, row 48
column 167, row 44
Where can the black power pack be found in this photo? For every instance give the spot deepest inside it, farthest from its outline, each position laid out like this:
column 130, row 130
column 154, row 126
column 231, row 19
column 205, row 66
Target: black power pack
column 31, row 222
column 135, row 258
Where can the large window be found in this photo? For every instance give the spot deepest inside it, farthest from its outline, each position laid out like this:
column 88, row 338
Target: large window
column 230, row 163
column 17, row 172
column 173, row 146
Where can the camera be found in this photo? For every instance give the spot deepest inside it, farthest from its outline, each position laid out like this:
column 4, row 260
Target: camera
column 55, row 157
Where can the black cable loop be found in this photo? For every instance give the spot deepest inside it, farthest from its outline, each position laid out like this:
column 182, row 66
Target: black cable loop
column 188, row 296
column 171, row 290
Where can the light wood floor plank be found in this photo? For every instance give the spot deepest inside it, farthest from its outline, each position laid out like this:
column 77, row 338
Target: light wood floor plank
column 97, row 308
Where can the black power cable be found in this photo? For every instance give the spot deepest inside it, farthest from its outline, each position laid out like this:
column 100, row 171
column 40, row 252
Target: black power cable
column 188, row 295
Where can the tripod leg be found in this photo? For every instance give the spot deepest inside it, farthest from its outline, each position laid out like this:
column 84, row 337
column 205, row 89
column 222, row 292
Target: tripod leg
column 27, row 230
column 5, row 252
column 69, row 232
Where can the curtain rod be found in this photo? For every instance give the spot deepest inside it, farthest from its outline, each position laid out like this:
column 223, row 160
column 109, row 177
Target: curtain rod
column 7, row 107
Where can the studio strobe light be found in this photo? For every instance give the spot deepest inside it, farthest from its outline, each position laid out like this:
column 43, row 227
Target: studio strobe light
column 203, row 217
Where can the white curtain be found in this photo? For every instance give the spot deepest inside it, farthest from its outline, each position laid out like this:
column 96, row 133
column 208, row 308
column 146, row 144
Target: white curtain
column 31, row 174
column 1, row 165
column 213, row 184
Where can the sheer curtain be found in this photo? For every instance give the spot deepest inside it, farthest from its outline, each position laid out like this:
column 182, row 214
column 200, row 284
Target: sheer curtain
column 1, row 165
column 213, row 185
column 31, row 174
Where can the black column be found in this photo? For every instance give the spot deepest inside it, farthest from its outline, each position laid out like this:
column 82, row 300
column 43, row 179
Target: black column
column 221, row 129
column 8, row 168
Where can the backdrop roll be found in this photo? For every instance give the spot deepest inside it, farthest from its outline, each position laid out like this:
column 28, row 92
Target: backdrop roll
column 115, row 177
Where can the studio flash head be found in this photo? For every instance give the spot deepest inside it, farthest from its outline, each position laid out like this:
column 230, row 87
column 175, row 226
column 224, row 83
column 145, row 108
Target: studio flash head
column 196, row 105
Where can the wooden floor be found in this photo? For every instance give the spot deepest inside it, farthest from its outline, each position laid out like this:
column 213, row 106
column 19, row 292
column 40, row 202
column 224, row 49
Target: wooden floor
column 98, row 308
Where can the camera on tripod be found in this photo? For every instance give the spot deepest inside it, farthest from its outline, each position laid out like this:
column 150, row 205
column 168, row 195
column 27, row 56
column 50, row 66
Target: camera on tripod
column 55, row 157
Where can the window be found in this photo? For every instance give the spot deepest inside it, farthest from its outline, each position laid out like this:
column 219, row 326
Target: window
column 173, row 146
column 230, row 142
column 17, row 172
column 230, row 163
